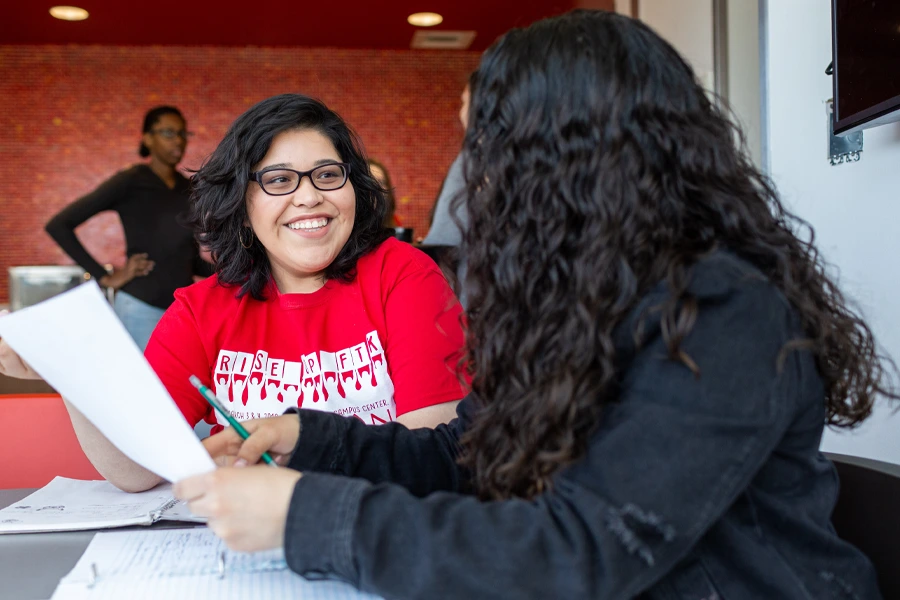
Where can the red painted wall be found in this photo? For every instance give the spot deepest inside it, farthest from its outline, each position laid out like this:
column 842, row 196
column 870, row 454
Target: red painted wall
column 71, row 117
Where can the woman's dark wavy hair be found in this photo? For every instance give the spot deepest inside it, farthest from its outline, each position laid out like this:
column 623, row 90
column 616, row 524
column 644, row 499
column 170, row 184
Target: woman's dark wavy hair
column 597, row 167
column 219, row 188
column 152, row 118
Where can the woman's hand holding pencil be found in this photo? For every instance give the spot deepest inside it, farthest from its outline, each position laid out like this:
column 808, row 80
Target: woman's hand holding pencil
column 276, row 436
column 235, row 425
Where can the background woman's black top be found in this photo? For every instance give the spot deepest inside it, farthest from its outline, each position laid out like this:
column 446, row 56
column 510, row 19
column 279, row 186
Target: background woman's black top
column 152, row 217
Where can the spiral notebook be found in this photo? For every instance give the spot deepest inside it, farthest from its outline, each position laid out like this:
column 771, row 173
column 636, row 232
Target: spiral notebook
column 73, row 504
column 187, row 563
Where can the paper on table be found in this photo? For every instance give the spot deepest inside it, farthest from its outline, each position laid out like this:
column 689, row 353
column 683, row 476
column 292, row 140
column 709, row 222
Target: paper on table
column 79, row 346
column 191, row 563
column 73, row 505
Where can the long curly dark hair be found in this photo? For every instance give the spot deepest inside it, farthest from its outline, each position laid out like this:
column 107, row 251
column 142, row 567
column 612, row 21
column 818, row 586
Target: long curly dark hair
column 596, row 168
column 219, row 188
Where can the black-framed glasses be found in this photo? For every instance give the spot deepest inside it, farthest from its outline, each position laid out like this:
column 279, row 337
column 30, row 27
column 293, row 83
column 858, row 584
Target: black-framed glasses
column 171, row 134
column 281, row 182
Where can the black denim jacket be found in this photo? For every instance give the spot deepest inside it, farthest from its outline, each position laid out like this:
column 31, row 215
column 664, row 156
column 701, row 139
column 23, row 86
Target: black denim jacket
column 692, row 488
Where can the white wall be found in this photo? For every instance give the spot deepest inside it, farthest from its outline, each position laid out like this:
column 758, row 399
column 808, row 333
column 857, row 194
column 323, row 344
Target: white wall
column 688, row 26
column 623, row 7
column 743, row 93
column 854, row 208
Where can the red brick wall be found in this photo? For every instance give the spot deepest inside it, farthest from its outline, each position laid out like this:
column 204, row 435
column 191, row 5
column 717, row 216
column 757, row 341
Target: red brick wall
column 71, row 117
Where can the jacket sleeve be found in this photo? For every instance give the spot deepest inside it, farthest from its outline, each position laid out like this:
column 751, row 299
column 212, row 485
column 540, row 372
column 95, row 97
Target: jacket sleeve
column 665, row 463
column 62, row 226
column 422, row 460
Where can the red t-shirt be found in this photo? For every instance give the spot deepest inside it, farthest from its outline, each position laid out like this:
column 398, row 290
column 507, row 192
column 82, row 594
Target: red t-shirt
column 383, row 345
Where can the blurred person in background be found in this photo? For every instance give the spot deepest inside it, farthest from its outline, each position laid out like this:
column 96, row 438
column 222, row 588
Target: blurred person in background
column 444, row 229
column 448, row 220
column 151, row 199
column 383, row 176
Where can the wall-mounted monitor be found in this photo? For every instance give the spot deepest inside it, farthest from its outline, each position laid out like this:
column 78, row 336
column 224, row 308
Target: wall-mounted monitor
column 866, row 59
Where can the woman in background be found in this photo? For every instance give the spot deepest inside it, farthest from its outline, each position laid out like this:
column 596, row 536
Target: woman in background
column 151, row 199
column 654, row 353
column 383, row 177
column 445, row 227
column 448, row 219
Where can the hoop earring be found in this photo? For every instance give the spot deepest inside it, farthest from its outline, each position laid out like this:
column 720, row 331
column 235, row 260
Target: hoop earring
column 241, row 239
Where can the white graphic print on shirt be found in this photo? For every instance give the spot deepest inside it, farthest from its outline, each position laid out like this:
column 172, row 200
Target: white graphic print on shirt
column 352, row 382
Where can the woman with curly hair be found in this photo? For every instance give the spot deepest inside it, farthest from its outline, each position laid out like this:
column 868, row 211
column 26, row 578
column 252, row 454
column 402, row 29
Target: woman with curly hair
column 654, row 351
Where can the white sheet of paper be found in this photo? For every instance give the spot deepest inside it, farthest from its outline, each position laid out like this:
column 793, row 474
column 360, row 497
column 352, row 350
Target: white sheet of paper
column 193, row 563
column 79, row 346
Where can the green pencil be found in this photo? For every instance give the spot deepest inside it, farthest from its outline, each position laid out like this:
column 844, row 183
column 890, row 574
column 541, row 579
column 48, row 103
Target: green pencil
column 211, row 398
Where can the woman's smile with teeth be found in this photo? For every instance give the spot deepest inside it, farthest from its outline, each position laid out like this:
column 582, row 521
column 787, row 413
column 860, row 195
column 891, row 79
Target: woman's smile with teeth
column 309, row 224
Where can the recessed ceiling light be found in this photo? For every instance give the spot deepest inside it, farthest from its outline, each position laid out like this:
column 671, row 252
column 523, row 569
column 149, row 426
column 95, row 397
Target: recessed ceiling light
column 69, row 13
column 425, row 19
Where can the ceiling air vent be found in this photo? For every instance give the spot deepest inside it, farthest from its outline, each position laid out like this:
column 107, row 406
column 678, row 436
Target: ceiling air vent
column 442, row 40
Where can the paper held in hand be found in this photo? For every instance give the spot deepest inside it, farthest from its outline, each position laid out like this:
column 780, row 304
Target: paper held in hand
column 79, row 346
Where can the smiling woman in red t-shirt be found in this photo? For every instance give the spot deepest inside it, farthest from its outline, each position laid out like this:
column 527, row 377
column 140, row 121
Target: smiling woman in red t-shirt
column 312, row 305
